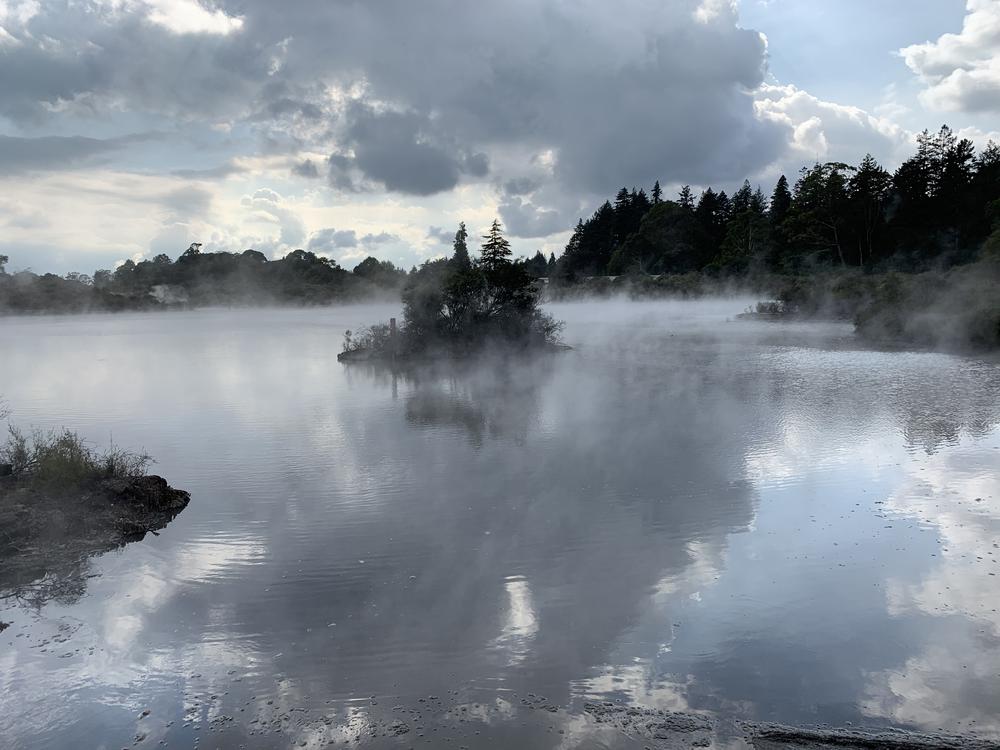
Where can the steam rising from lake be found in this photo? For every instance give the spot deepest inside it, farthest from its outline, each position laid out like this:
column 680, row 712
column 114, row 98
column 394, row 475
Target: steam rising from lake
column 687, row 511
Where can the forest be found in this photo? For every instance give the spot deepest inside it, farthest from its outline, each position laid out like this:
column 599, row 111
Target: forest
column 911, row 256
column 198, row 279
column 935, row 211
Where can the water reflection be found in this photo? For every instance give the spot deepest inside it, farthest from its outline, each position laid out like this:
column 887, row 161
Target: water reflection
column 682, row 513
column 952, row 678
column 47, row 556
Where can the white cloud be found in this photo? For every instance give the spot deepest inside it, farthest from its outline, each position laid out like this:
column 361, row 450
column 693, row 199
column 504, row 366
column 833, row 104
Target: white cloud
column 961, row 71
column 267, row 206
column 176, row 16
column 827, row 131
column 709, row 10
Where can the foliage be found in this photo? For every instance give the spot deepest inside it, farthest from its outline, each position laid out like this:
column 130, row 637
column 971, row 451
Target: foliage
column 935, row 210
column 63, row 460
column 381, row 273
column 459, row 305
column 198, row 278
column 375, row 337
column 957, row 309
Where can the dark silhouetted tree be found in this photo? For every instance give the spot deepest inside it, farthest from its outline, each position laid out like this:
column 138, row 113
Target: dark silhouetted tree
column 495, row 247
column 460, row 254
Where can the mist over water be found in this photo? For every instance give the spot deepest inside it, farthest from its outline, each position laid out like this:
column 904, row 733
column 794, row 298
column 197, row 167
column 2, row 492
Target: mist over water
column 686, row 511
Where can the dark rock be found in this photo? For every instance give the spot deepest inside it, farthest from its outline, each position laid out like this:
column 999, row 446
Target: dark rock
column 150, row 492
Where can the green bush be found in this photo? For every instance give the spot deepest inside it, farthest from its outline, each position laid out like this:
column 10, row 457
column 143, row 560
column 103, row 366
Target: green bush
column 63, row 459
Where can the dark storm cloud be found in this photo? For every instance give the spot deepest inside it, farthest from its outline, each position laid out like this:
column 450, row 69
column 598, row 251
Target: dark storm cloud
column 418, row 97
column 401, row 152
column 91, row 54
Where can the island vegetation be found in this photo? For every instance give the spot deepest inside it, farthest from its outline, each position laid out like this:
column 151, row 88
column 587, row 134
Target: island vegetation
column 460, row 305
column 62, row 501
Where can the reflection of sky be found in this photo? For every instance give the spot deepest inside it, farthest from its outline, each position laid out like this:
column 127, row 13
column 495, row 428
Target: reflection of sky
column 720, row 519
column 520, row 624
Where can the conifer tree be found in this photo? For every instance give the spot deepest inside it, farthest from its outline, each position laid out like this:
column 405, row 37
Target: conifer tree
column 685, row 198
column 495, row 248
column 657, row 193
column 781, row 201
column 460, row 258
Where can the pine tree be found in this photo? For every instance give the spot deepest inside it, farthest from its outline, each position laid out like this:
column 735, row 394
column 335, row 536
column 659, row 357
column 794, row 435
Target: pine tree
column 496, row 248
column 623, row 200
column 460, row 258
column 657, row 193
column 685, row 198
column 781, row 201
column 868, row 189
column 741, row 199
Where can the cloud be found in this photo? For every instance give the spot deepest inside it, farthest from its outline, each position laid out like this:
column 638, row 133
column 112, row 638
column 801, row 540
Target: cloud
column 379, row 239
column 961, row 72
column 268, row 206
column 19, row 154
column 183, row 61
column 326, row 240
column 306, row 168
column 188, row 202
column 526, row 220
column 191, row 17
column 400, row 151
column 440, row 236
column 212, row 173
column 825, row 131
column 330, row 239
column 632, row 93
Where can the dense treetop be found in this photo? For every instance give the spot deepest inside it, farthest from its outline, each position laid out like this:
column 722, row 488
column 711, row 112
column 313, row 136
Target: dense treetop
column 935, row 210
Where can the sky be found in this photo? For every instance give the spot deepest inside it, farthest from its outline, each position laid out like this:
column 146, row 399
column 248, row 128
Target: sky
column 351, row 128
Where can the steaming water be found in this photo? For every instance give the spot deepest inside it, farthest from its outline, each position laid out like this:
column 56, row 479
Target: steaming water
column 686, row 512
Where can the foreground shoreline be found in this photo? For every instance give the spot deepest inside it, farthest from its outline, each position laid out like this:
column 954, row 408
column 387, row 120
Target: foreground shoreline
column 48, row 534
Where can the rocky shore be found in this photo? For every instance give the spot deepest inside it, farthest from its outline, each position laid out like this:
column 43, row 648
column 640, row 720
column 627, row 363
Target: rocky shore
column 46, row 533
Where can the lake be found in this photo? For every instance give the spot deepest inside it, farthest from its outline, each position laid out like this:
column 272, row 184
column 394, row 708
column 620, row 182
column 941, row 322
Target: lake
column 723, row 519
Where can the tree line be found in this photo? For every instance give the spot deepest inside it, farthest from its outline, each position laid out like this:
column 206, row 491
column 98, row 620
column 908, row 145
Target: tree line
column 197, row 278
column 934, row 211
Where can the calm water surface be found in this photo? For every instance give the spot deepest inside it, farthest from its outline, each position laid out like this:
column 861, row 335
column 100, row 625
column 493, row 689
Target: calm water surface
column 685, row 512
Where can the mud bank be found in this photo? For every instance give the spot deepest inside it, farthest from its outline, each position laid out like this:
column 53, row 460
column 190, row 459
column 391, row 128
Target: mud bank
column 776, row 737
column 46, row 534
column 666, row 729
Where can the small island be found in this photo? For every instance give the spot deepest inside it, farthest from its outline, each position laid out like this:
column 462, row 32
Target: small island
column 461, row 306
column 62, row 501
